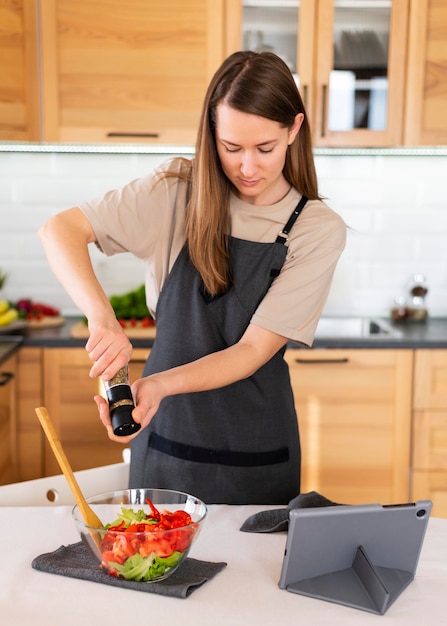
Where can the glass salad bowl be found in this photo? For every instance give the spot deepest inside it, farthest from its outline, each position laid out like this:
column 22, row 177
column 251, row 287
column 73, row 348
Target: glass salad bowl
column 147, row 533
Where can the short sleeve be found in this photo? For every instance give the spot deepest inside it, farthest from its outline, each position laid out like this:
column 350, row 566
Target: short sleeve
column 296, row 298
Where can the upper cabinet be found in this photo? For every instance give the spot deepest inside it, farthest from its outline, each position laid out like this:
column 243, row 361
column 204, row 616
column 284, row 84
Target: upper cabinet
column 129, row 70
column 426, row 93
column 360, row 72
column 19, row 83
column 371, row 72
column 349, row 58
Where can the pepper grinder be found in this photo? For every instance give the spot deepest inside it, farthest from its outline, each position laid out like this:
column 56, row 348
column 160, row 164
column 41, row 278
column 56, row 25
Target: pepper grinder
column 121, row 404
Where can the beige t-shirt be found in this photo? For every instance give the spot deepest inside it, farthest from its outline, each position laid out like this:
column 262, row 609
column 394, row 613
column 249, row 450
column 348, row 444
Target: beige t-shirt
column 148, row 221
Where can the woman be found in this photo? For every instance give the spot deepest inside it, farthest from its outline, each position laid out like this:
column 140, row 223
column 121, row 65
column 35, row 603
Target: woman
column 239, row 252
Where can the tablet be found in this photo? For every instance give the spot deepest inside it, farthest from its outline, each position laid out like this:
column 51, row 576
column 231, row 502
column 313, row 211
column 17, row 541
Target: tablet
column 362, row 556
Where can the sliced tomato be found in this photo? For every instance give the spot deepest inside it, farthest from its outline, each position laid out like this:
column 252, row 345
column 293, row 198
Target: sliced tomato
column 161, row 545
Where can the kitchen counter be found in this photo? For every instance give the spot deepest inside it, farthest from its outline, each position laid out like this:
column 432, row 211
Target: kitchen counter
column 8, row 345
column 431, row 334
column 244, row 592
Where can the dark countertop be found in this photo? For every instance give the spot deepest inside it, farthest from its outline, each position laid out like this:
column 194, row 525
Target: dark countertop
column 431, row 334
column 8, row 345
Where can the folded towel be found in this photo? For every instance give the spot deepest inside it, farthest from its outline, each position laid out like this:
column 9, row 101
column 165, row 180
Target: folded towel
column 278, row 519
column 76, row 561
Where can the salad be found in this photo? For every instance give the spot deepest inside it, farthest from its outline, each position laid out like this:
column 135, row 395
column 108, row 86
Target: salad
column 143, row 547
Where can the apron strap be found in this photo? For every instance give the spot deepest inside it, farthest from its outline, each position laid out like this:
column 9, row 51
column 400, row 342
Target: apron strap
column 284, row 234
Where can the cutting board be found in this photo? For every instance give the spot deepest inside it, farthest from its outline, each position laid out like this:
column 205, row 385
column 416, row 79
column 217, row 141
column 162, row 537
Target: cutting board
column 48, row 321
column 80, row 331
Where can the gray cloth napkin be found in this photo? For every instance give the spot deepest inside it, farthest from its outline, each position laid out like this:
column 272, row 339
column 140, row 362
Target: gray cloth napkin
column 76, row 561
column 278, row 519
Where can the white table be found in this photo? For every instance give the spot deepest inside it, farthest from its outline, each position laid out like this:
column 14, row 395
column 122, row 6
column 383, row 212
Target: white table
column 245, row 593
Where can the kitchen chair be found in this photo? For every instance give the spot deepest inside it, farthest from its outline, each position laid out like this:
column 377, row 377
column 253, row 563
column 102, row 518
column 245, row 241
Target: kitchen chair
column 54, row 490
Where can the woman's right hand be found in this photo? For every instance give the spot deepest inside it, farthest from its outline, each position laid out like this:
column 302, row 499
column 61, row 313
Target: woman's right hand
column 108, row 347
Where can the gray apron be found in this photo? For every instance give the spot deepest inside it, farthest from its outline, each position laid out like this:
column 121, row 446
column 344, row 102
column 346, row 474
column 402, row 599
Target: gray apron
column 238, row 444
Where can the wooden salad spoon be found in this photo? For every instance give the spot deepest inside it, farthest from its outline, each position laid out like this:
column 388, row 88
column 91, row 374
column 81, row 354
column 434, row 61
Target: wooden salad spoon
column 90, row 517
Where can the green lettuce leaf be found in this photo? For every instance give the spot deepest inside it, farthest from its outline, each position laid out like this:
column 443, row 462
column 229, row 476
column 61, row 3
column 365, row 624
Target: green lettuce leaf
column 129, row 516
column 147, row 568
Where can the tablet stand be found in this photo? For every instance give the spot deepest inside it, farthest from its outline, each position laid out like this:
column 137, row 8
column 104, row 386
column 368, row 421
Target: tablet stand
column 363, row 585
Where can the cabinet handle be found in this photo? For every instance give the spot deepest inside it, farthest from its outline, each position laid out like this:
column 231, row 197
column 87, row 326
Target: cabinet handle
column 147, row 135
column 5, row 378
column 323, row 110
column 314, row 361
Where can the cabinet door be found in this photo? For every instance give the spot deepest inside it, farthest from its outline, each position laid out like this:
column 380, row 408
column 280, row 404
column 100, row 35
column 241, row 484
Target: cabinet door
column 430, row 440
column 354, row 414
column 19, row 90
column 8, row 427
column 429, row 449
column 426, row 92
column 430, row 410
column 430, row 379
column 68, row 396
column 360, row 72
column 134, row 70
column 349, row 57
column 29, row 431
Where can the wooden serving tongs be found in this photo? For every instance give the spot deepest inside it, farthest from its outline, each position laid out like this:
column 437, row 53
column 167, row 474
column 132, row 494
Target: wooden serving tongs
column 90, row 517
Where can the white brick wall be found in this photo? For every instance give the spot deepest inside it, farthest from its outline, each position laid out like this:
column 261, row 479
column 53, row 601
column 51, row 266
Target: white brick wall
column 395, row 205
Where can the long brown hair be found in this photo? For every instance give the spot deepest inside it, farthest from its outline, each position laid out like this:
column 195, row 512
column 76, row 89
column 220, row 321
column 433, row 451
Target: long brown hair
column 256, row 83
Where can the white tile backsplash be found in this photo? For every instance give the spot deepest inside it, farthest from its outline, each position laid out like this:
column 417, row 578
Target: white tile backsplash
column 395, row 206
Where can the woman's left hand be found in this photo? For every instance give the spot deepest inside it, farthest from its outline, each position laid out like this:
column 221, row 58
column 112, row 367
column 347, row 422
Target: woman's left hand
column 147, row 396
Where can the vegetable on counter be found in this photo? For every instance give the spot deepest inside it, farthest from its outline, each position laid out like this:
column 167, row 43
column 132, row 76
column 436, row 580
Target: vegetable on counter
column 131, row 309
column 31, row 310
column 143, row 547
column 131, row 305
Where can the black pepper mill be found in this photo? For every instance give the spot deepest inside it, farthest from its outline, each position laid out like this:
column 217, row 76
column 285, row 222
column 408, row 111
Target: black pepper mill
column 121, row 403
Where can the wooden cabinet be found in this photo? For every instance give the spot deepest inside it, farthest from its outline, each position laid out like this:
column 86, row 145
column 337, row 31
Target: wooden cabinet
column 429, row 453
column 8, row 430
column 19, row 84
column 360, row 49
column 350, row 61
column 134, row 70
column 426, row 89
column 30, row 376
column 354, row 414
column 100, row 71
column 68, row 395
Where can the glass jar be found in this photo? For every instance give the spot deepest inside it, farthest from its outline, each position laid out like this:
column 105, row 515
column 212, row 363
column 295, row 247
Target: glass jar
column 418, row 292
column 400, row 310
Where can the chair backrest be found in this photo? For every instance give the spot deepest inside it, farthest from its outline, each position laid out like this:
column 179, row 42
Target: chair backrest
column 54, row 490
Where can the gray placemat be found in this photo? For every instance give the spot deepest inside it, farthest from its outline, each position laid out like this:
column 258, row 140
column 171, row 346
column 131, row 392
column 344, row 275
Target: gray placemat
column 277, row 520
column 76, row 561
